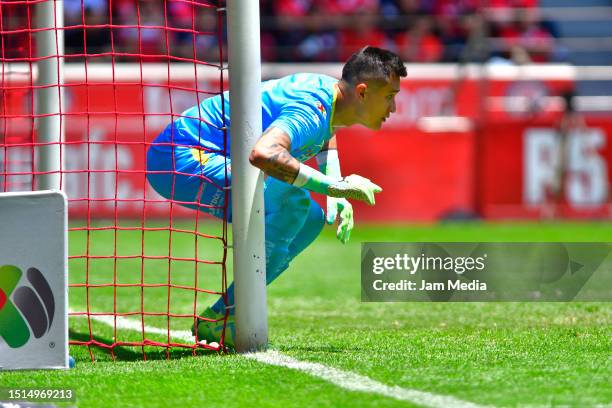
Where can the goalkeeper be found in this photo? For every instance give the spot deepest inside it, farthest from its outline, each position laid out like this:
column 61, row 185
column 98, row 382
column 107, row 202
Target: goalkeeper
column 188, row 161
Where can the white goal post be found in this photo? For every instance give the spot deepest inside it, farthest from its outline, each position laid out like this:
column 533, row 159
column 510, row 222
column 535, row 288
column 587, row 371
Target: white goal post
column 50, row 51
column 247, row 186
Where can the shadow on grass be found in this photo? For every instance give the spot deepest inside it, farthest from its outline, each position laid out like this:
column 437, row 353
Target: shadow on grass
column 135, row 353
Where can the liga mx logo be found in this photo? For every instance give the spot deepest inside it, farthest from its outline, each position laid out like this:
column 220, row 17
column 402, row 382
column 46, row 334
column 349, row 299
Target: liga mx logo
column 24, row 308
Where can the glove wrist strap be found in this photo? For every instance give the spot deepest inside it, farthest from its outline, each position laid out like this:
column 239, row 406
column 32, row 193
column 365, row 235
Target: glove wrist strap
column 312, row 180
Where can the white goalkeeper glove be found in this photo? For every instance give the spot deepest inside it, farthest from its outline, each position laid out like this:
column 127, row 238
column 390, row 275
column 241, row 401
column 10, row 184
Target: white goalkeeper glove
column 345, row 222
column 329, row 164
column 355, row 187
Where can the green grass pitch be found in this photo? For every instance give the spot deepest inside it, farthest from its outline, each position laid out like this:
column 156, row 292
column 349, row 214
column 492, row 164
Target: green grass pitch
column 493, row 354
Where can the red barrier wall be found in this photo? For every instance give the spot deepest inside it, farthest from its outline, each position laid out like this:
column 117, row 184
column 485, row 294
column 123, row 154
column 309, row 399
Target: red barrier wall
column 424, row 176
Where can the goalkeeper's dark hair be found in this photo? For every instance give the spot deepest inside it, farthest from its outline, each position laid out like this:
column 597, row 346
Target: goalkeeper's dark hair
column 372, row 63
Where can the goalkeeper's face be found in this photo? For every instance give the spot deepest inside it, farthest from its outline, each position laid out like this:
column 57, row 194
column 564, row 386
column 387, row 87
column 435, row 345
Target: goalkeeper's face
column 377, row 101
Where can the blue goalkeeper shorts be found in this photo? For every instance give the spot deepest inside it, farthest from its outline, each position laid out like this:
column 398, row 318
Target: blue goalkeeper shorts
column 191, row 177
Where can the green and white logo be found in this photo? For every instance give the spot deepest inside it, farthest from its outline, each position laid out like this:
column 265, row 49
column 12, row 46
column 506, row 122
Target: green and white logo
column 24, row 309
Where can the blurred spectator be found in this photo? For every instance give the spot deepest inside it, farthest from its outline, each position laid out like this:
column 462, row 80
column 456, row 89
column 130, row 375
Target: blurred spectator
column 290, row 18
column 320, row 40
column 303, row 30
column 145, row 34
column 477, row 47
column 208, row 45
column 183, row 25
column 269, row 32
column 346, row 7
column 362, row 30
column 526, row 33
column 94, row 15
column 570, row 121
column 15, row 42
column 419, row 43
column 508, row 5
column 453, row 9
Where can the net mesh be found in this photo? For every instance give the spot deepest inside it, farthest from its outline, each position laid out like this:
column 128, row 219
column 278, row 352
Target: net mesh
column 141, row 267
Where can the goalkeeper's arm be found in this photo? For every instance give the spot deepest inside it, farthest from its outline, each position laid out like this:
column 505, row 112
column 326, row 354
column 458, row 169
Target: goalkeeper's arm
column 271, row 155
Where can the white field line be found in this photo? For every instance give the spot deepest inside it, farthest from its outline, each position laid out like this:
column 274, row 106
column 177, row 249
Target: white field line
column 355, row 382
column 343, row 379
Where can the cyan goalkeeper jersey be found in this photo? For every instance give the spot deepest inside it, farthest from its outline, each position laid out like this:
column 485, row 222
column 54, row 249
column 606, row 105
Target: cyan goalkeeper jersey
column 301, row 104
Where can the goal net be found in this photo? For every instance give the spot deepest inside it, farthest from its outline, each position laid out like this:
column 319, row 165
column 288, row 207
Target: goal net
column 141, row 267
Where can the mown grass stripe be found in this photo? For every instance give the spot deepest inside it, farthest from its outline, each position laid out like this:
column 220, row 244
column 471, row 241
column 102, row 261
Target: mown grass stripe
column 343, row 379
